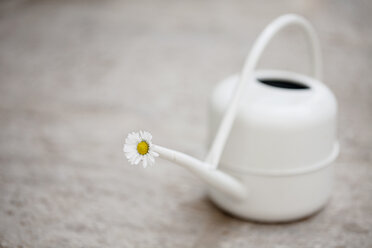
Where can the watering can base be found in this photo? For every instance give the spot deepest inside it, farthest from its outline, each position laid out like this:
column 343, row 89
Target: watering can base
column 271, row 219
column 284, row 198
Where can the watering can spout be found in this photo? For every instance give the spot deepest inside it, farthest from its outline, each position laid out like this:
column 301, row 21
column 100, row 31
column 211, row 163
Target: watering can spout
column 138, row 147
column 216, row 179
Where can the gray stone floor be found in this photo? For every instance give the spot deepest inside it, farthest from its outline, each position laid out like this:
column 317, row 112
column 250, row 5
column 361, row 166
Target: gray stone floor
column 77, row 76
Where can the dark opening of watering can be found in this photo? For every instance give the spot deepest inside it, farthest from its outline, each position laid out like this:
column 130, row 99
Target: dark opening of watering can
column 285, row 84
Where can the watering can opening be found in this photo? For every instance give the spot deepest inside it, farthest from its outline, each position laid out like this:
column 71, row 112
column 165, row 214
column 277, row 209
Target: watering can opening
column 284, row 84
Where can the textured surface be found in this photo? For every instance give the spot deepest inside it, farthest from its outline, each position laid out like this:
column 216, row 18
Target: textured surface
column 77, row 76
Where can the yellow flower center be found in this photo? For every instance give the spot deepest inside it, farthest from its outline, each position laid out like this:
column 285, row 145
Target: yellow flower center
column 143, row 148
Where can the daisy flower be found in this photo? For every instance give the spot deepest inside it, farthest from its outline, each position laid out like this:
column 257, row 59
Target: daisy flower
column 138, row 147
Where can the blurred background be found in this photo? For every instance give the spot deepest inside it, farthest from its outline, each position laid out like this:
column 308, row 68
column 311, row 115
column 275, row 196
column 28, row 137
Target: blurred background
column 77, row 76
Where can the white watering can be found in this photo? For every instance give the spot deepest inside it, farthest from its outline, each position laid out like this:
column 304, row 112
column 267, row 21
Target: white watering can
column 275, row 143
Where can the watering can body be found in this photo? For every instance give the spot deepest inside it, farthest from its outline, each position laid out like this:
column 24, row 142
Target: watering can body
column 272, row 138
column 280, row 146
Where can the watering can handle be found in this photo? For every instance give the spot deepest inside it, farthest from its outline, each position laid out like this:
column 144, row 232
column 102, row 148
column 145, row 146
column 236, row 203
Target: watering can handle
column 259, row 46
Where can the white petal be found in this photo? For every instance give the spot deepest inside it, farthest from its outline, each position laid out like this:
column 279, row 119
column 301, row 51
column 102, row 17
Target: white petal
column 138, row 159
column 154, row 154
column 128, row 155
column 151, row 158
column 151, row 163
column 131, row 155
column 135, row 136
column 144, row 163
column 129, row 148
column 132, row 138
column 133, row 159
column 147, row 136
column 131, row 141
column 130, row 161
